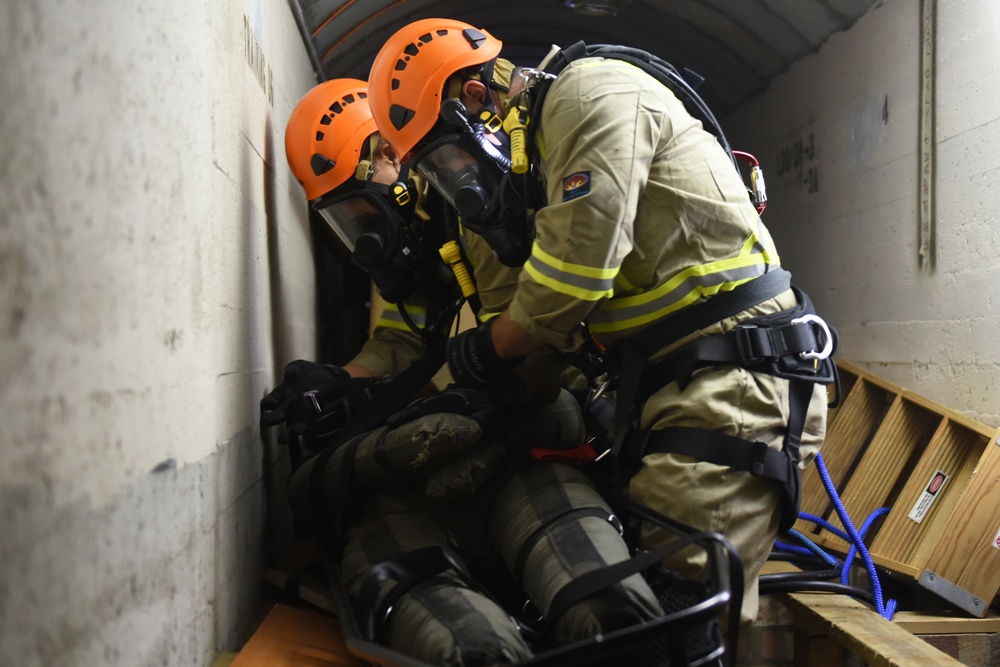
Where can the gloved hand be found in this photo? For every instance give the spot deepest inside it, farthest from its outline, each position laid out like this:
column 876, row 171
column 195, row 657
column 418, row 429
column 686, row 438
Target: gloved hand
column 534, row 382
column 299, row 377
column 472, row 359
column 473, row 403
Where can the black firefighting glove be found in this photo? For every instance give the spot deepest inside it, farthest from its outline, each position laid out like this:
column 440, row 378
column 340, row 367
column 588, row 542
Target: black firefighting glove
column 534, row 381
column 299, row 377
column 473, row 361
column 476, row 404
column 315, row 397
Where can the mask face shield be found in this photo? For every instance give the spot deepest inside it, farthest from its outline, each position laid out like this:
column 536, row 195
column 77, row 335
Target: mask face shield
column 467, row 160
column 380, row 240
column 363, row 222
column 461, row 177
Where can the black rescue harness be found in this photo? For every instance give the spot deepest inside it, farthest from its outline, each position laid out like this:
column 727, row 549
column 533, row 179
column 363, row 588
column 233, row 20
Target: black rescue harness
column 793, row 344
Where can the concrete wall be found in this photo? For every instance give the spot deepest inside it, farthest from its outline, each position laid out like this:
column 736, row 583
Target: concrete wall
column 155, row 270
column 839, row 137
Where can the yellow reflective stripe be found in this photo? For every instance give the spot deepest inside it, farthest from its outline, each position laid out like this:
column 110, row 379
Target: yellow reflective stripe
column 623, row 283
column 753, row 244
column 582, row 282
column 680, row 291
column 389, row 324
column 390, row 317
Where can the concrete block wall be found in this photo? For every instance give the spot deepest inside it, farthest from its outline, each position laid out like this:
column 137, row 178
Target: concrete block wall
column 838, row 136
column 155, row 273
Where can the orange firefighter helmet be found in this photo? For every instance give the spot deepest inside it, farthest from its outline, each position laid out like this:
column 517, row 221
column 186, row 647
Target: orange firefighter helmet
column 326, row 134
column 411, row 69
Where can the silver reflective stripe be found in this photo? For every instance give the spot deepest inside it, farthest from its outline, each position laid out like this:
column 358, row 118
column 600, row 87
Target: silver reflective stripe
column 572, row 279
column 622, row 313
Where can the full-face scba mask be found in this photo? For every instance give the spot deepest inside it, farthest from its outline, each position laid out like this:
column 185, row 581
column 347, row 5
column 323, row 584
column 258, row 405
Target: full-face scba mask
column 377, row 225
column 467, row 160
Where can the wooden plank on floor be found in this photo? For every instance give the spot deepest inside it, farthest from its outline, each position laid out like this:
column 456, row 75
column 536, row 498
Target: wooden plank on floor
column 932, row 622
column 292, row 637
column 956, row 623
column 880, row 643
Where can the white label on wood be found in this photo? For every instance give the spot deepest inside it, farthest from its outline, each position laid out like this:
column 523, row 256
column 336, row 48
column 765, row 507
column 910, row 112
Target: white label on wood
column 996, row 541
column 930, row 492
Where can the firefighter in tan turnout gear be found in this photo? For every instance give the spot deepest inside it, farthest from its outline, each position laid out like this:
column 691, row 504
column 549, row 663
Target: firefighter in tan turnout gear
column 642, row 230
column 412, row 502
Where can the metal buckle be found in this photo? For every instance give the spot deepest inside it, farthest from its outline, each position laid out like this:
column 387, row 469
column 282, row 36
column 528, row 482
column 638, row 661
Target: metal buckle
column 616, row 523
column 758, row 458
column 312, row 395
column 745, row 344
column 598, row 392
column 602, row 454
column 827, row 346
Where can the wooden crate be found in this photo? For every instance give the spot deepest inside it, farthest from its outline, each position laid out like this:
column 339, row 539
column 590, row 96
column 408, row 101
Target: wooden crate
column 937, row 470
column 295, row 637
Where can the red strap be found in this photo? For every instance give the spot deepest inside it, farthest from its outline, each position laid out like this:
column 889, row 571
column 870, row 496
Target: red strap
column 582, row 453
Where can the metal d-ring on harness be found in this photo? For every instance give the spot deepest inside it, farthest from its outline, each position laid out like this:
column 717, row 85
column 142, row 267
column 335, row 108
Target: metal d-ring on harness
column 795, row 344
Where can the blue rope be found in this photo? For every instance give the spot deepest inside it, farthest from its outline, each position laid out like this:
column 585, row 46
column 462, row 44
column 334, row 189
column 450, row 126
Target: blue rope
column 792, row 549
column 849, row 559
column 826, row 525
column 883, row 610
column 814, row 548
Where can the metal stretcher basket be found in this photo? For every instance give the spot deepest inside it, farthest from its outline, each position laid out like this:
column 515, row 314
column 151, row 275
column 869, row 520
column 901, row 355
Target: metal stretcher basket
column 690, row 634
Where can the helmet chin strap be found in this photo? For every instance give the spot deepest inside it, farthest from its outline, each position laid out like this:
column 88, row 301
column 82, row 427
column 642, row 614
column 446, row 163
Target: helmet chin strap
column 366, row 168
column 495, row 79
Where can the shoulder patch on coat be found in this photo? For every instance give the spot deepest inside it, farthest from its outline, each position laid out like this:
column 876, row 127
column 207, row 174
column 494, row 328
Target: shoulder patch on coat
column 576, row 185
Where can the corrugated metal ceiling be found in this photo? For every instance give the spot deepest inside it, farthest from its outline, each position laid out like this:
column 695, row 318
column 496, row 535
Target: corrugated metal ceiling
column 737, row 45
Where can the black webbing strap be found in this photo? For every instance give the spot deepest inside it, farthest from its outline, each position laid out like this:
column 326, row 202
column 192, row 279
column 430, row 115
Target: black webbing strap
column 792, row 344
column 407, row 571
column 754, row 457
column 799, row 394
column 722, row 305
column 341, row 509
column 683, row 87
column 330, row 527
column 718, row 448
column 636, row 350
column 536, row 536
column 597, row 580
column 394, row 395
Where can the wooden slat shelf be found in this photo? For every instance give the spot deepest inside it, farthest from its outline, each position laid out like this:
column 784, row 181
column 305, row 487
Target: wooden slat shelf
column 884, row 446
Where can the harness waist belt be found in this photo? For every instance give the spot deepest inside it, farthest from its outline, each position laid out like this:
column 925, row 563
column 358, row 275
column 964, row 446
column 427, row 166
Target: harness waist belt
column 798, row 349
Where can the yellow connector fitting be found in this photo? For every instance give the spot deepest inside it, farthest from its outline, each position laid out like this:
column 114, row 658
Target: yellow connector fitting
column 515, row 129
column 452, row 256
